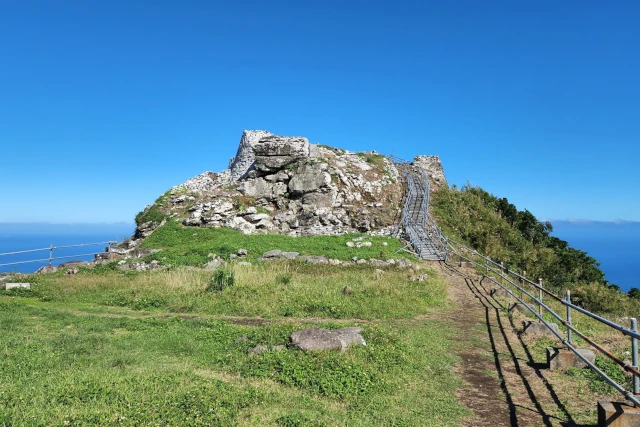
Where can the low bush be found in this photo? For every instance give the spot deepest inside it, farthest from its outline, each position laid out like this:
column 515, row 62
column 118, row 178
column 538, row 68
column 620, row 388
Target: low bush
column 221, row 279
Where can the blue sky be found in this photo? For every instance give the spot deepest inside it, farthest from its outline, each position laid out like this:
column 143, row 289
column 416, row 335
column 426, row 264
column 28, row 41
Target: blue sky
column 105, row 105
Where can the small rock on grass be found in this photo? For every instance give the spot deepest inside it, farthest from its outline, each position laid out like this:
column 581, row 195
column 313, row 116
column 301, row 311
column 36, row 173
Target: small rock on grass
column 241, row 340
column 8, row 286
column 323, row 339
column 261, row 349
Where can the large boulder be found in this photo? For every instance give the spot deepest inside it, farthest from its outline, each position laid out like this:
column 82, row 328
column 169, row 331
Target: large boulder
column 273, row 152
column 309, row 178
column 260, row 188
column 323, row 339
column 245, row 157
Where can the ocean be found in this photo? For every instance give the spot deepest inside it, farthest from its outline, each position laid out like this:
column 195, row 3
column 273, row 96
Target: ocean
column 614, row 245
column 27, row 237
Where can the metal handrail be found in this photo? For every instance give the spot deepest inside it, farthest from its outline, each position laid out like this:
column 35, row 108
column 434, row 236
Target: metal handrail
column 445, row 245
column 633, row 333
column 418, row 185
column 51, row 250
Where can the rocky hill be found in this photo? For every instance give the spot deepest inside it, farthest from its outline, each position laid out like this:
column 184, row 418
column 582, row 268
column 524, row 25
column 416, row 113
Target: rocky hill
column 279, row 184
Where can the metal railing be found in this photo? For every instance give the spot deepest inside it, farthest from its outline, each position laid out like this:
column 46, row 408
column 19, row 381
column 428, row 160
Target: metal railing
column 110, row 246
column 449, row 247
column 415, row 219
column 504, row 274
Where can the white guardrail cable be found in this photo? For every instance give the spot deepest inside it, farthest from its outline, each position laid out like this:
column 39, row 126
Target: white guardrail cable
column 51, row 250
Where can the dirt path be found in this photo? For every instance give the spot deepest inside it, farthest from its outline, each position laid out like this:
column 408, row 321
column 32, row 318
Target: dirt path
column 505, row 386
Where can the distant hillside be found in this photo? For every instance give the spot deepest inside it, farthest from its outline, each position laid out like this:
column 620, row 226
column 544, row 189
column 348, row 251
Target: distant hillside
column 495, row 227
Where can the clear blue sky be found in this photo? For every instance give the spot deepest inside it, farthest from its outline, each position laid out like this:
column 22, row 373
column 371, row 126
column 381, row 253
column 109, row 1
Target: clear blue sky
column 105, row 105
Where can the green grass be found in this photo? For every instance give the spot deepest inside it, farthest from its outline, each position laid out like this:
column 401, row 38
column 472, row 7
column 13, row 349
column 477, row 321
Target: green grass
column 272, row 289
column 68, row 358
column 191, row 246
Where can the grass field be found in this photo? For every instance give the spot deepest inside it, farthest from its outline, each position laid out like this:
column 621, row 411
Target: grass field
column 191, row 246
column 106, row 347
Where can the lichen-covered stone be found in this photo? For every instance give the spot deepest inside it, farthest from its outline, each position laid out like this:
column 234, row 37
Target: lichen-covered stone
column 323, row 339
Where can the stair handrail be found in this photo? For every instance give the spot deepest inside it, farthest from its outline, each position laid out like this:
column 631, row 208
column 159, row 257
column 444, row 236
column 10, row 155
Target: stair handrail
column 494, row 271
column 488, row 265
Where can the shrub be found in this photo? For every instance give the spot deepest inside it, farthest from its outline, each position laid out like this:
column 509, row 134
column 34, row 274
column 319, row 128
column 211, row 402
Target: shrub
column 222, row 278
column 284, row 278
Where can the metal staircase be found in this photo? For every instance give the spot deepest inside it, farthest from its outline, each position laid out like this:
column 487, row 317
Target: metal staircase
column 425, row 236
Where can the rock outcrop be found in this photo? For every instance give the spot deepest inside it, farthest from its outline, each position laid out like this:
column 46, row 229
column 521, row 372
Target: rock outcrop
column 245, row 157
column 278, row 184
column 433, row 167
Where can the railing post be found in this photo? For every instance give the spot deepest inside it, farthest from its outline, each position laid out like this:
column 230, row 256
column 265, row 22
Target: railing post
column 502, row 271
column 540, row 298
column 50, row 254
column 634, row 356
column 524, row 274
column 569, row 331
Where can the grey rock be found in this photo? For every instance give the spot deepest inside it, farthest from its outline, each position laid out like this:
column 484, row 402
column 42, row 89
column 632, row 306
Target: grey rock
column 245, row 157
column 324, row 199
column 499, row 292
column 539, row 328
column 323, row 339
column 192, row 222
column 8, row 286
column 259, row 349
column 241, row 340
column 72, row 271
column 402, row 263
column 141, row 266
column 73, row 264
column 47, row 269
column 256, row 217
column 289, row 255
column 433, row 167
column 314, row 259
column 265, row 224
column 222, row 207
column 273, row 152
column 256, row 187
column 560, row 358
column 281, row 176
column 517, row 307
column 275, row 253
column 213, row 264
column 308, row 178
column 242, row 252
column 239, row 223
column 248, row 211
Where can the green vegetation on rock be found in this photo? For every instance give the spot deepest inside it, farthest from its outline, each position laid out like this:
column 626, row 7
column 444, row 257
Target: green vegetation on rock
column 191, row 246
